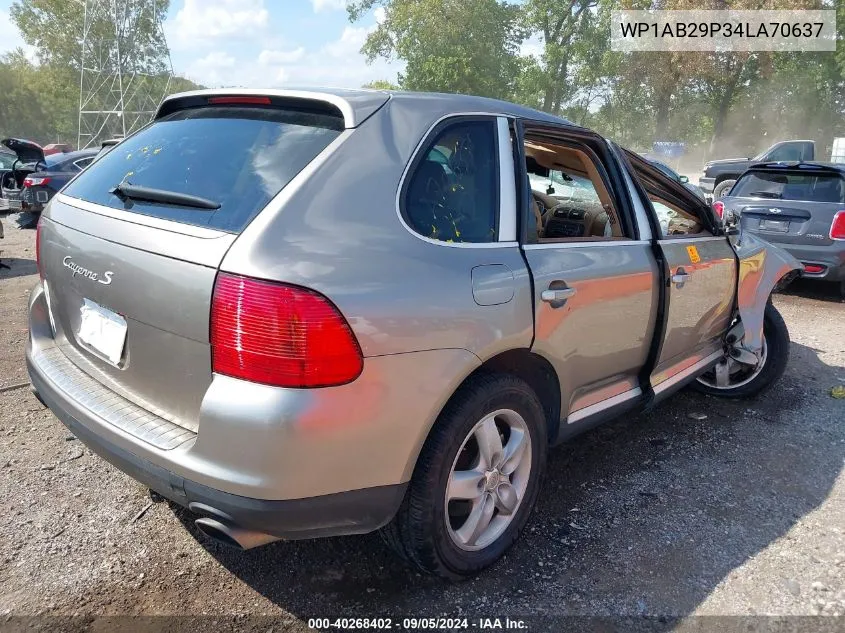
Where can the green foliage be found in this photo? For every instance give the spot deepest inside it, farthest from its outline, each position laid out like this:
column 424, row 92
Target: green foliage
column 41, row 101
column 716, row 102
column 55, row 27
column 381, row 84
column 467, row 46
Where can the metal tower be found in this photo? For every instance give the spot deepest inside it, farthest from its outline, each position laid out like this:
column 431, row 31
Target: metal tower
column 125, row 67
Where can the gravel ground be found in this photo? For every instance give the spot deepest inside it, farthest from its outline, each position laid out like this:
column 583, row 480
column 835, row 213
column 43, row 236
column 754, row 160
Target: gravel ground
column 663, row 513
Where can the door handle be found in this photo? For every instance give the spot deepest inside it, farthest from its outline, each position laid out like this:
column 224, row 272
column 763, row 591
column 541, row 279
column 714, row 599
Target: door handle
column 681, row 277
column 558, row 294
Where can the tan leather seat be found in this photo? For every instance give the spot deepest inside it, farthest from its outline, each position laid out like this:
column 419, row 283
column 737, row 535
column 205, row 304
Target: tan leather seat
column 538, row 217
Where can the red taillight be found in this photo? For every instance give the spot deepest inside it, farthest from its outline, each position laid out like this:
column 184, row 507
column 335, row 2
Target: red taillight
column 239, row 100
column 31, row 181
column 38, row 247
column 837, row 227
column 280, row 335
column 813, row 269
column 719, row 209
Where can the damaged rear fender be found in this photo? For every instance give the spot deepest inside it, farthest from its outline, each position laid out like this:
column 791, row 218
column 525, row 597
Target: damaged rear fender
column 762, row 268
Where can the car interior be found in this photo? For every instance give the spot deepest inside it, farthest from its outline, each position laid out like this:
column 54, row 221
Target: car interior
column 576, row 205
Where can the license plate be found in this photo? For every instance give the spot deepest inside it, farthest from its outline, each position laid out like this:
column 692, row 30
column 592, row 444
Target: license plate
column 103, row 331
column 781, row 226
column 14, row 204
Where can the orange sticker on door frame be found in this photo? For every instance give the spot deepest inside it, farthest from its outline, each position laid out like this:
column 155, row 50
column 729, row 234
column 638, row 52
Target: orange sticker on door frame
column 694, row 257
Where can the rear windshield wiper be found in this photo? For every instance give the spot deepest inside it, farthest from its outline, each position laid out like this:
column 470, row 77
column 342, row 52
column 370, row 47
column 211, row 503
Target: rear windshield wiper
column 765, row 194
column 128, row 191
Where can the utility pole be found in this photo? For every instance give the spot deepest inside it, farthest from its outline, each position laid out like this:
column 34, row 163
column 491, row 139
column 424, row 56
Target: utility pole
column 125, row 68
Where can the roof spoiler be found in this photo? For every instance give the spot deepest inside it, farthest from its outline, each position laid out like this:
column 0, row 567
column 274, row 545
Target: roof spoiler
column 796, row 164
column 353, row 106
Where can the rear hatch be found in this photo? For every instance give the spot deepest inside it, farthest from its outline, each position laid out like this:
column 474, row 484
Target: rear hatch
column 26, row 151
column 130, row 273
column 789, row 204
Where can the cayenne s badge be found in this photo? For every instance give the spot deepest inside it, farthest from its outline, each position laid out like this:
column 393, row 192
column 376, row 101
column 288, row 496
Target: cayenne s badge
column 76, row 269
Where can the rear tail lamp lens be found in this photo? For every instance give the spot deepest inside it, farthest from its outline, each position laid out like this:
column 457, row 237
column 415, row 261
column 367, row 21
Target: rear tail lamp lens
column 32, row 181
column 280, row 335
column 719, row 209
column 837, row 227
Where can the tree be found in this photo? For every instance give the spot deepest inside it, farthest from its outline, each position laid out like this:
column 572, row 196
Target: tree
column 562, row 24
column 381, row 84
column 39, row 102
column 55, row 27
column 464, row 46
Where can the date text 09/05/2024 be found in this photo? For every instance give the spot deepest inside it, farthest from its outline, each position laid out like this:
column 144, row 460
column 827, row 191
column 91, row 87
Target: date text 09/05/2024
column 417, row 624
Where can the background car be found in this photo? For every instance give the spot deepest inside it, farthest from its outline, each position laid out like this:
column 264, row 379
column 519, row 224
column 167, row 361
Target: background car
column 718, row 176
column 7, row 160
column 684, row 180
column 799, row 206
column 55, row 172
column 57, row 148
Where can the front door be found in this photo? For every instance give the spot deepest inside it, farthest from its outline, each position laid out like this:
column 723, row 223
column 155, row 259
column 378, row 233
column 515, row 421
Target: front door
column 699, row 276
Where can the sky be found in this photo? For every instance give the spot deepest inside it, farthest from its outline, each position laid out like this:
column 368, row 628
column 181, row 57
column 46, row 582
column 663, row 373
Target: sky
column 260, row 43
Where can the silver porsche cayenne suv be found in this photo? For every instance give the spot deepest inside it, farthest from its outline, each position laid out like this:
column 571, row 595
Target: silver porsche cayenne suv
column 315, row 313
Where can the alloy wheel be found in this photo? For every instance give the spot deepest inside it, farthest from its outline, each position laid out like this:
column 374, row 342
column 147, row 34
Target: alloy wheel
column 488, row 480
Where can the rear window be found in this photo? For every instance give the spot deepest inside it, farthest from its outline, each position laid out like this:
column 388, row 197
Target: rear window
column 779, row 185
column 239, row 157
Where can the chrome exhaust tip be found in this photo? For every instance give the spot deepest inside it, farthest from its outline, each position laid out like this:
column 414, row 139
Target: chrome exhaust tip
column 232, row 535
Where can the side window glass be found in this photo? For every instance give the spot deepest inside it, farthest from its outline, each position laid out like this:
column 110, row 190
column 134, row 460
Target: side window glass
column 785, row 153
column 674, row 220
column 452, row 194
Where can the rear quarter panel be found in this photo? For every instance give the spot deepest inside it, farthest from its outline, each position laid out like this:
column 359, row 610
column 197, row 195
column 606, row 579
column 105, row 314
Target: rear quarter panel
column 339, row 233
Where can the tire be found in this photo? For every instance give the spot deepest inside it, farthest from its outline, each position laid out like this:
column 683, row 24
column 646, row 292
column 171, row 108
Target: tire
column 722, row 188
column 422, row 532
column 776, row 337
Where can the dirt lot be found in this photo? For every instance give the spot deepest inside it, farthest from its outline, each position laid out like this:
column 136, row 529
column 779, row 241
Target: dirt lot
column 664, row 514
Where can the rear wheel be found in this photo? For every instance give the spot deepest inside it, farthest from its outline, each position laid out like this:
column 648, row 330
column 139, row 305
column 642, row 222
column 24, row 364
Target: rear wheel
column 722, row 188
column 741, row 375
column 476, row 480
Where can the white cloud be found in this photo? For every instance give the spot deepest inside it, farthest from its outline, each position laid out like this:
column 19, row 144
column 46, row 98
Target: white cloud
column 328, row 5
column 213, row 69
column 201, row 22
column 533, row 47
column 10, row 38
column 277, row 58
column 339, row 63
column 381, row 15
column 349, row 44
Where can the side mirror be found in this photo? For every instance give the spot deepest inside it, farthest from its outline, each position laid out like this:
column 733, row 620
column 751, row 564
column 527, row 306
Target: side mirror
column 684, row 179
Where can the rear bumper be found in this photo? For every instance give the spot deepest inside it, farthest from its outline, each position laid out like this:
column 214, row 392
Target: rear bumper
column 831, row 256
column 351, row 512
column 290, row 463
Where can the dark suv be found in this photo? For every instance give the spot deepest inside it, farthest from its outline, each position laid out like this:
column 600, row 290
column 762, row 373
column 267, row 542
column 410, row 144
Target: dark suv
column 799, row 206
